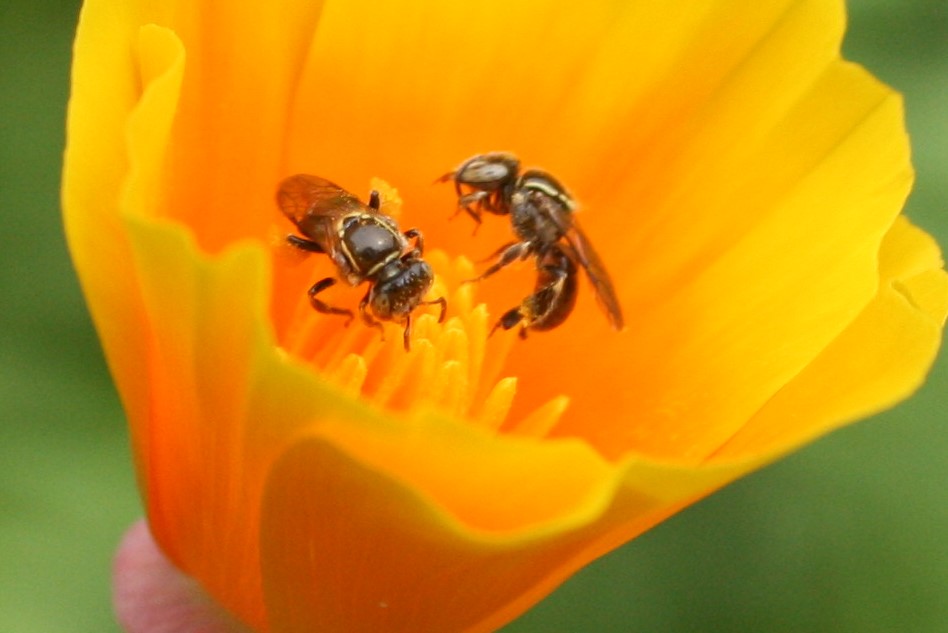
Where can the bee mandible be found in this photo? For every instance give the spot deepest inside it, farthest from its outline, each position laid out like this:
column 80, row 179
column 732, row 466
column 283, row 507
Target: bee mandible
column 365, row 246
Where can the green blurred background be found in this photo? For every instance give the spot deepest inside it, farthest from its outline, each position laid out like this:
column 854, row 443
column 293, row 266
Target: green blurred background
column 850, row 534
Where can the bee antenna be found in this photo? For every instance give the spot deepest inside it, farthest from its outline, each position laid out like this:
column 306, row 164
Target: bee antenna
column 375, row 201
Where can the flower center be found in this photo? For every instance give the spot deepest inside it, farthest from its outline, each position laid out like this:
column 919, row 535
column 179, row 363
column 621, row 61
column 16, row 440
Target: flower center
column 454, row 366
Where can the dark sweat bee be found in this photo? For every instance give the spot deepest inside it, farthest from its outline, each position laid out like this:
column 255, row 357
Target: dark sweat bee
column 540, row 210
column 365, row 245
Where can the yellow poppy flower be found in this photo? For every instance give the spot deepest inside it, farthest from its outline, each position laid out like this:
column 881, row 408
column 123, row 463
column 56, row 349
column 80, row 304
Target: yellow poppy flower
column 742, row 183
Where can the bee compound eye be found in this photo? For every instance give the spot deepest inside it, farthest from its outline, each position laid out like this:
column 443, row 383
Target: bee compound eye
column 483, row 171
column 382, row 301
column 488, row 172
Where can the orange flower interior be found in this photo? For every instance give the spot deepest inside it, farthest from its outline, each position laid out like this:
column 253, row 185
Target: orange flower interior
column 674, row 161
column 741, row 183
column 453, row 367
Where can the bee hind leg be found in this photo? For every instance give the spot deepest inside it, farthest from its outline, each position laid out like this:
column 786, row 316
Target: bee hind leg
column 509, row 320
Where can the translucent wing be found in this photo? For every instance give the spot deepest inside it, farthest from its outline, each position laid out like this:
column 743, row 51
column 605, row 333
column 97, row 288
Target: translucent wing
column 304, row 199
column 586, row 255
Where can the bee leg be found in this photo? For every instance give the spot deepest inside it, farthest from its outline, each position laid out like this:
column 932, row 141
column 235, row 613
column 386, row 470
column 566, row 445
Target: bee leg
column 406, row 335
column 475, row 199
column 496, row 253
column 460, row 194
column 550, row 303
column 419, row 240
column 304, row 245
column 510, row 319
column 442, row 302
column 323, row 307
column 472, row 203
column 375, row 202
column 367, row 318
column 510, row 254
column 494, row 202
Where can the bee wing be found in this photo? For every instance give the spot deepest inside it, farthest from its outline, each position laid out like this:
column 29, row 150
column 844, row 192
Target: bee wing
column 303, row 197
column 584, row 253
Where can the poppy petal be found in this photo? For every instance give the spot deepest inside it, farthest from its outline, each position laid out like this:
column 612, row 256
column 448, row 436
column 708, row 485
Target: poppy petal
column 804, row 263
column 873, row 364
column 350, row 546
column 106, row 111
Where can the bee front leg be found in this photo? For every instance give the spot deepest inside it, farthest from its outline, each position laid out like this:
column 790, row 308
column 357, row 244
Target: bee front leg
column 440, row 301
column 496, row 202
column 321, row 306
column 406, row 335
column 415, row 234
column 367, row 318
column 472, row 203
